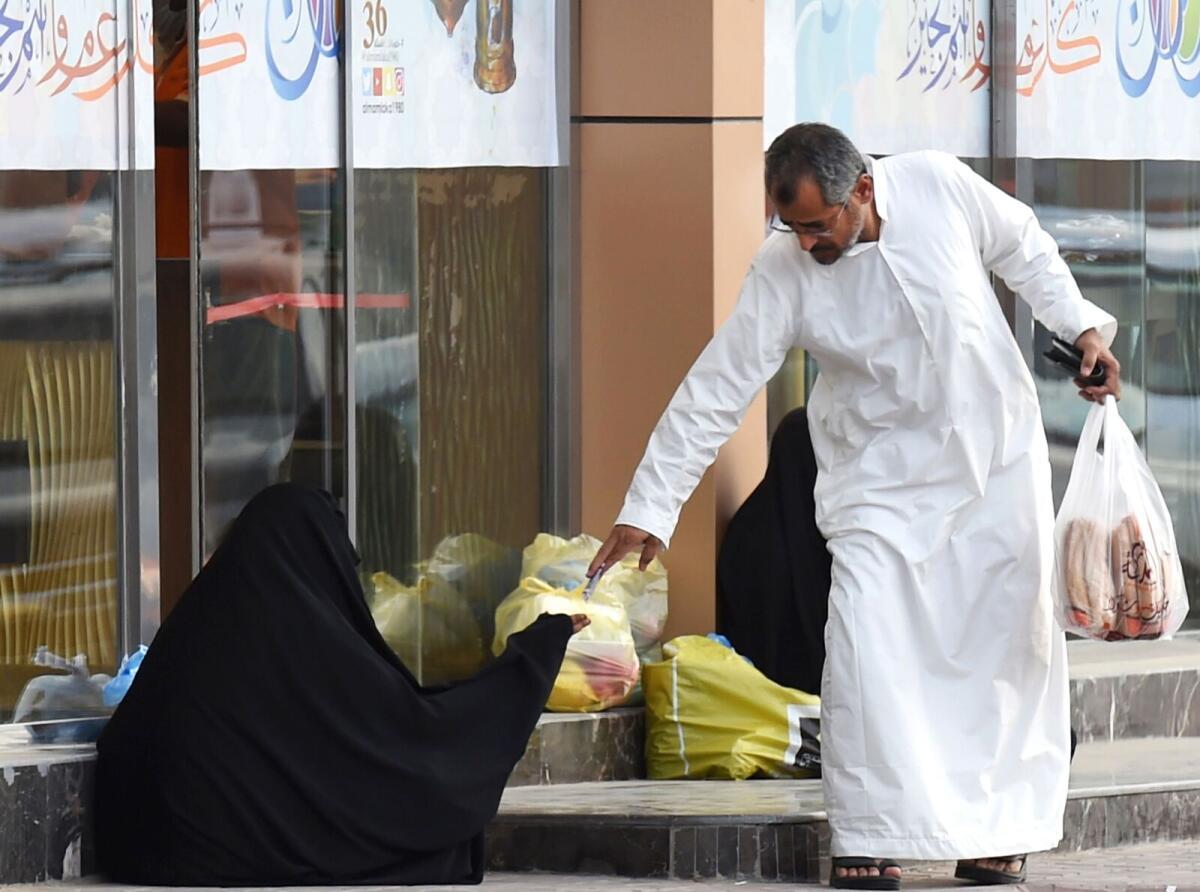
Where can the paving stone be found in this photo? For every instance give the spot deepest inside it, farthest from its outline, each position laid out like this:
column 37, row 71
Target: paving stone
column 1137, row 869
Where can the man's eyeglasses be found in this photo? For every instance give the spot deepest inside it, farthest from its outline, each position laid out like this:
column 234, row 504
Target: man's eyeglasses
column 809, row 229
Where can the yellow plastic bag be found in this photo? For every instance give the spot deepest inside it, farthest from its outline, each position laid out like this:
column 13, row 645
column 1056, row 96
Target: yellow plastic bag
column 710, row 714
column 563, row 563
column 430, row 627
column 601, row 666
column 483, row 572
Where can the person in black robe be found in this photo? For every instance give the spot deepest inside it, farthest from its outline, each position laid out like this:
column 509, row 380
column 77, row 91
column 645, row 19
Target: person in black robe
column 271, row 737
column 773, row 569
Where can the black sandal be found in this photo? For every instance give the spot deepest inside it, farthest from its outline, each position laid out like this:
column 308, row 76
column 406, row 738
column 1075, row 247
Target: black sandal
column 889, row 884
column 985, row 876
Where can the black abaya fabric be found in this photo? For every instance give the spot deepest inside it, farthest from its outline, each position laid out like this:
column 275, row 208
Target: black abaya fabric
column 271, row 737
column 773, row 569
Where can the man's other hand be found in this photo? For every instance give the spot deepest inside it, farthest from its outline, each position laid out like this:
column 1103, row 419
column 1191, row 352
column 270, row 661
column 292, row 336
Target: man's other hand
column 1093, row 349
column 620, row 542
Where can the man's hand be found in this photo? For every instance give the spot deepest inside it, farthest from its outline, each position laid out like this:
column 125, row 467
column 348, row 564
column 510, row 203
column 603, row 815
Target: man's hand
column 621, row 541
column 1093, row 349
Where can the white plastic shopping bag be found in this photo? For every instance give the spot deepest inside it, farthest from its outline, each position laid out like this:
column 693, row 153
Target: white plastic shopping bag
column 563, row 563
column 1117, row 568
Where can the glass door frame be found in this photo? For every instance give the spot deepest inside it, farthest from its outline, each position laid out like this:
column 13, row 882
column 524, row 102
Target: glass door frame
column 135, row 376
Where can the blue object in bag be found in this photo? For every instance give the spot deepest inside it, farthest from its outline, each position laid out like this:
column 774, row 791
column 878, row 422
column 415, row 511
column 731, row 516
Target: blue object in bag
column 115, row 690
column 725, row 642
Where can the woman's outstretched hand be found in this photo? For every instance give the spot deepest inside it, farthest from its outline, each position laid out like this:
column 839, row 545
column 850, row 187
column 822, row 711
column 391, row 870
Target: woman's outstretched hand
column 579, row 622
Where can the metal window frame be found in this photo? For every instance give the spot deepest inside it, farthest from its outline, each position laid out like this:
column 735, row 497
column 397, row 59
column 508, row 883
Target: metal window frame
column 1008, row 168
column 135, row 362
column 350, row 287
column 196, row 341
column 561, row 485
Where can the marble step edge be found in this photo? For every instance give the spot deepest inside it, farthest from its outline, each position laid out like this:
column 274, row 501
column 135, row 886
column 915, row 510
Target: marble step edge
column 46, row 820
column 1137, row 705
column 584, row 747
column 786, row 850
column 1100, row 659
column 1089, row 793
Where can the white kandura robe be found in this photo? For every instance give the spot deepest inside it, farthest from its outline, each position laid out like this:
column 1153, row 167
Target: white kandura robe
column 945, row 706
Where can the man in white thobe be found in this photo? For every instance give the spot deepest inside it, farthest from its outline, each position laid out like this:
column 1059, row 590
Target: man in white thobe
column 945, row 705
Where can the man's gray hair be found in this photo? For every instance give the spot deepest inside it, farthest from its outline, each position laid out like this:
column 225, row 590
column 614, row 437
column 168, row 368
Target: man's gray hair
column 818, row 151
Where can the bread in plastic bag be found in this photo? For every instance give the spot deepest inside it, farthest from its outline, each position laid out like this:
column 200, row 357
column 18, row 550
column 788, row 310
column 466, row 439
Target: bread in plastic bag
column 1117, row 569
column 712, row 715
column 430, row 627
column 564, row 562
column 601, row 666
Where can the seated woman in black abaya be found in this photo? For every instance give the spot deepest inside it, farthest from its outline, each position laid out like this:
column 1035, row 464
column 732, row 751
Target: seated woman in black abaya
column 271, row 737
column 773, row 569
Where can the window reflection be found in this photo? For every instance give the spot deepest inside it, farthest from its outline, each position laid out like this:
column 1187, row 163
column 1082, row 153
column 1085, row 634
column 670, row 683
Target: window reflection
column 1093, row 209
column 57, row 438
column 1171, row 349
column 451, row 336
column 1130, row 230
column 270, row 279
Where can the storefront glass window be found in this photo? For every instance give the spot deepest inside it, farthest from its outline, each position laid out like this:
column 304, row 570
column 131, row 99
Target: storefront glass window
column 271, row 194
column 449, row 231
column 271, row 293
column 1093, row 209
column 58, row 498
column 451, row 391
column 1128, row 230
column 1170, row 357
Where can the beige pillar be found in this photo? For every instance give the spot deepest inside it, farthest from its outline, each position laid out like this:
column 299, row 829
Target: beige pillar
column 671, row 212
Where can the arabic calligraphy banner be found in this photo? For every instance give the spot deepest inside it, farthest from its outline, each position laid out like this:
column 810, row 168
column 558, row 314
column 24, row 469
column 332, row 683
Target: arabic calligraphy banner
column 269, row 86
column 1108, row 79
column 69, row 70
column 452, row 84
column 894, row 75
column 445, row 83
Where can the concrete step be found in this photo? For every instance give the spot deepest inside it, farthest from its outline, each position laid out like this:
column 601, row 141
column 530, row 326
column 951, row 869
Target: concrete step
column 1119, row 691
column 1122, row 792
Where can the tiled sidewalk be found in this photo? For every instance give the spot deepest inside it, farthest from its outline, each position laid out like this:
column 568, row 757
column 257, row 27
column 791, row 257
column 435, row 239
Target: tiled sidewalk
column 1174, row 867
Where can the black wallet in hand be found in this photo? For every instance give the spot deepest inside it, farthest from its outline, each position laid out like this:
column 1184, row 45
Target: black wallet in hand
column 1070, row 358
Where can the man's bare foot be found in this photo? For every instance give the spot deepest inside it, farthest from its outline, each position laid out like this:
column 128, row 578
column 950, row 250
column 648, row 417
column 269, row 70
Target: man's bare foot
column 1002, row 870
column 848, row 872
column 997, row 864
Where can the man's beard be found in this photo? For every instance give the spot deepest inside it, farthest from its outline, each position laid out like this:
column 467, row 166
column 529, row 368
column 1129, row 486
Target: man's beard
column 830, row 254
